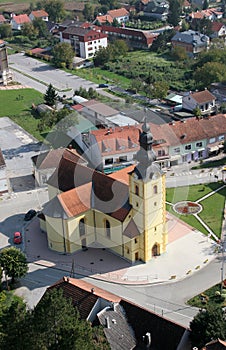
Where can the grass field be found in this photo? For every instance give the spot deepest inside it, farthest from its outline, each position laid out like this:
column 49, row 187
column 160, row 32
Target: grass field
column 17, row 104
column 208, row 297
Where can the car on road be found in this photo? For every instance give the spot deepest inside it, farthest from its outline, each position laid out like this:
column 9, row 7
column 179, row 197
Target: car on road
column 17, row 237
column 103, row 85
column 30, row 214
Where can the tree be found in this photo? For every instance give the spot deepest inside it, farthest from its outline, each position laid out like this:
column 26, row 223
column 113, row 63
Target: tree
column 119, row 48
column 54, row 8
column 174, row 12
column 29, row 31
column 208, row 324
column 57, row 325
column 159, row 44
column 197, row 112
column 209, row 73
column 160, row 89
column 63, row 54
column 179, row 54
column 50, row 96
column 88, row 12
column 41, row 27
column 5, row 31
column 12, row 322
column 205, row 4
column 13, row 263
column 102, row 56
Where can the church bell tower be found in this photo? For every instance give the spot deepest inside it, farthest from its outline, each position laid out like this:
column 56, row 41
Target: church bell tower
column 147, row 197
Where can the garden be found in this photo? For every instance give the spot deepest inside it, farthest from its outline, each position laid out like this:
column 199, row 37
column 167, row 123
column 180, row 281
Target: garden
column 191, row 194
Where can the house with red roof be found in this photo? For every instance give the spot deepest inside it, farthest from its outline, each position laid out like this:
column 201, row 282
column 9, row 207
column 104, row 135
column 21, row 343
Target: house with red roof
column 126, row 325
column 17, row 22
column 219, row 30
column 137, row 39
column 121, row 15
column 39, row 14
column 203, row 100
column 85, row 39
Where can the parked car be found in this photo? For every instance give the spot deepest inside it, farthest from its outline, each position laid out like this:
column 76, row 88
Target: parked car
column 29, row 215
column 103, row 85
column 17, row 238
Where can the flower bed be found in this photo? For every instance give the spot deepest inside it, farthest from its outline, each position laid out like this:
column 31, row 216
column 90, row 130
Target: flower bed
column 187, row 208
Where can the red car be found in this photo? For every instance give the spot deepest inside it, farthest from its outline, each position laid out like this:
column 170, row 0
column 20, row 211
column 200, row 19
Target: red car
column 17, row 238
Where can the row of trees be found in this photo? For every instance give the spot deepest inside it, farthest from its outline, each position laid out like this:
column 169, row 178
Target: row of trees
column 53, row 324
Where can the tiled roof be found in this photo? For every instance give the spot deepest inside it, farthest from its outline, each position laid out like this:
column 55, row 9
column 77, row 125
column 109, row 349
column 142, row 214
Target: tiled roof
column 203, row 96
column 123, row 174
column 20, row 19
column 118, row 332
column 194, row 129
column 131, row 230
column 77, row 200
column 40, row 13
column 216, row 26
column 118, row 12
column 191, row 37
column 70, row 174
column 51, row 159
column 83, row 294
column 99, row 108
column 104, row 19
column 2, row 160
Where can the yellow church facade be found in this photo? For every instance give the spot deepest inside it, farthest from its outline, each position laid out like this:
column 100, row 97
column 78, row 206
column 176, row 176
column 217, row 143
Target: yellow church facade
column 123, row 212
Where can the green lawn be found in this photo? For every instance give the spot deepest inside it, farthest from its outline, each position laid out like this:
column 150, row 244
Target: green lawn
column 213, row 211
column 17, row 104
column 213, row 206
column 191, row 193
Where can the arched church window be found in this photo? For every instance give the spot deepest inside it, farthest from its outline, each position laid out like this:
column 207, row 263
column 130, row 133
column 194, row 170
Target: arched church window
column 108, row 228
column 82, row 227
column 155, row 189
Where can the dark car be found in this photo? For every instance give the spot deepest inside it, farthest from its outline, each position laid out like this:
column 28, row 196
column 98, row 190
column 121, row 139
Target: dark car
column 29, row 215
column 103, row 85
column 17, row 238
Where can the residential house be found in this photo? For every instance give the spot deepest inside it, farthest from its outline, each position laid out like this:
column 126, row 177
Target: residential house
column 85, row 207
column 2, row 19
column 5, row 73
column 39, row 14
column 17, row 22
column 137, row 39
column 212, row 14
column 203, row 100
column 3, row 175
column 46, row 163
column 197, row 138
column 157, row 9
column 126, row 325
column 85, row 40
column 174, row 143
column 121, row 15
column 219, row 30
column 192, row 42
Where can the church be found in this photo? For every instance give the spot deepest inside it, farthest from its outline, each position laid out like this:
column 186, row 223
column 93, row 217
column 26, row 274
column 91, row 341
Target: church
column 123, row 212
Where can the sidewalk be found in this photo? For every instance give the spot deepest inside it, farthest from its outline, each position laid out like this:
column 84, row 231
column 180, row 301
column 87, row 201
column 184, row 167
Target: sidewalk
column 187, row 251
